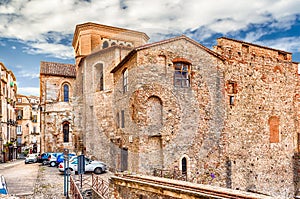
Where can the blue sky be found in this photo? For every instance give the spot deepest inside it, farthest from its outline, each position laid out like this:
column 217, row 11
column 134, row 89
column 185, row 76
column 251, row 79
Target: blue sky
column 42, row 30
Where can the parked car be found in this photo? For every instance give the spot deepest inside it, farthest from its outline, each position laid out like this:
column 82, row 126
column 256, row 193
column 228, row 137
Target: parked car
column 43, row 158
column 3, row 186
column 31, row 158
column 52, row 159
column 90, row 166
column 60, row 158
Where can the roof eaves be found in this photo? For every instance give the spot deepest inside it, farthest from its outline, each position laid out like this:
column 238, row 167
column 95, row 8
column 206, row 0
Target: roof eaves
column 164, row 42
column 124, row 60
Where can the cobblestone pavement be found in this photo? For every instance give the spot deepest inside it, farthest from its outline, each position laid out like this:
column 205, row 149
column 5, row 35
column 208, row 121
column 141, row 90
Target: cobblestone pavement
column 50, row 184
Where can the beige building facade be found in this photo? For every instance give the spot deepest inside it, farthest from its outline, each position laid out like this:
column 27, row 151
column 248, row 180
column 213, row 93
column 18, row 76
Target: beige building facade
column 8, row 92
column 57, row 118
column 28, row 124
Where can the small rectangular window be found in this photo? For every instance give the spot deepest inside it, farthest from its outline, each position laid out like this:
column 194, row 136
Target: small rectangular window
column 232, row 87
column 122, row 119
column 19, row 130
column 231, row 100
column 118, row 120
column 101, row 82
column 125, row 81
column 34, row 118
column 182, row 74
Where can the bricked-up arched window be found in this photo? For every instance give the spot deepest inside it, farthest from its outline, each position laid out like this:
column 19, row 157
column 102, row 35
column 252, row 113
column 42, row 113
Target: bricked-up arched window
column 154, row 112
column 66, row 132
column 274, row 129
column 125, row 81
column 66, row 93
column 182, row 72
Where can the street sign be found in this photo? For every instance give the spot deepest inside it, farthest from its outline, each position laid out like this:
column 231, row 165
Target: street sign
column 81, row 164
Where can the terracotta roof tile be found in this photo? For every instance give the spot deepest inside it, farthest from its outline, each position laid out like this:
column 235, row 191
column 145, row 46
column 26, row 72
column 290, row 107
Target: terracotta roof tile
column 57, row 69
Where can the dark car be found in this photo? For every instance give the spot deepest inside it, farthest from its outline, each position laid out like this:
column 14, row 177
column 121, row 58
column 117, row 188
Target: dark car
column 43, row 158
column 60, row 158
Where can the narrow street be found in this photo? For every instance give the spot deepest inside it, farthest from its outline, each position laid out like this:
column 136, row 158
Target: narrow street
column 35, row 181
column 30, row 181
column 20, row 177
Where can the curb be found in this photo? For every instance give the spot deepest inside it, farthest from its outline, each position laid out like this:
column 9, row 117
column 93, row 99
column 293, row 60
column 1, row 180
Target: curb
column 10, row 164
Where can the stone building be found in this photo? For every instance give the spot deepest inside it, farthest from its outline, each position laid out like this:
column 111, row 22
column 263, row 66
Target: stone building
column 226, row 117
column 57, row 119
column 261, row 126
column 28, row 124
column 98, row 49
column 8, row 91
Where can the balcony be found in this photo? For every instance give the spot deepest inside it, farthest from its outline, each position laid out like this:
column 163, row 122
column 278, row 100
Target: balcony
column 11, row 122
column 35, row 133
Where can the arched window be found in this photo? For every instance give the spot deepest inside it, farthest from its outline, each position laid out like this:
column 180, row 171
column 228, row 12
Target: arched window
column 105, row 44
column 113, row 43
column 183, row 165
column 182, row 72
column 66, row 93
column 66, row 132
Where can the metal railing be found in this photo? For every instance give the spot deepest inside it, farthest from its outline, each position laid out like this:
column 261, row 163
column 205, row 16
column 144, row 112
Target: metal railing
column 74, row 190
column 100, row 186
column 175, row 174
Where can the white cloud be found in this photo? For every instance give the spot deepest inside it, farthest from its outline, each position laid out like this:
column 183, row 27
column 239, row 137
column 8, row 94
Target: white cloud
column 13, row 47
column 28, row 74
column 38, row 22
column 19, row 66
column 29, row 91
column 53, row 50
column 288, row 44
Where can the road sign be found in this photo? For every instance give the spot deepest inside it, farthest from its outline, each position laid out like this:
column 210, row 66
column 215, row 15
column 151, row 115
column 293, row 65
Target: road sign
column 81, row 164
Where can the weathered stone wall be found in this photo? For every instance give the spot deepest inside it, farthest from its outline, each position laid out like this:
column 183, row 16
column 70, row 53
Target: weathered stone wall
column 191, row 119
column 265, row 82
column 95, row 105
column 55, row 112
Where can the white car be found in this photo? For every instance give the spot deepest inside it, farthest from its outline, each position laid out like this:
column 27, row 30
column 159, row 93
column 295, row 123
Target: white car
column 52, row 159
column 90, row 166
column 31, row 158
